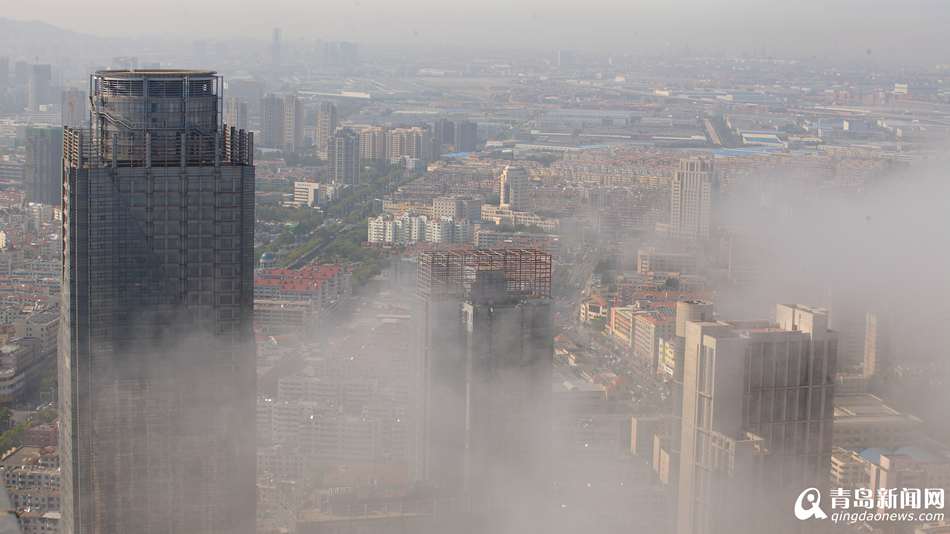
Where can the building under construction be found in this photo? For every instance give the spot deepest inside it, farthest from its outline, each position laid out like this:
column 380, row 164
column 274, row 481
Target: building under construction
column 486, row 349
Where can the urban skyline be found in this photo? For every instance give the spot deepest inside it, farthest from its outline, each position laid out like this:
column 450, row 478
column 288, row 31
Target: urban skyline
column 662, row 267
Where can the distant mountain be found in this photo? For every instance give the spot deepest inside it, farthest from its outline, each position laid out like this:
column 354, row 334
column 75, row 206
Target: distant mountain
column 34, row 40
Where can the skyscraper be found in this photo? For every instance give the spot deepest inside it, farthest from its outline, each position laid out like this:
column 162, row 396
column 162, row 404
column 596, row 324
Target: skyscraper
column 756, row 421
column 42, row 173
column 326, row 127
column 513, row 188
column 275, row 57
column 38, row 89
column 74, row 109
column 156, row 364
column 344, row 156
column 691, row 202
column 485, row 365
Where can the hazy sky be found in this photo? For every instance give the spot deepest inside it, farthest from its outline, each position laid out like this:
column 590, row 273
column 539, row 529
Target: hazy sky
column 905, row 28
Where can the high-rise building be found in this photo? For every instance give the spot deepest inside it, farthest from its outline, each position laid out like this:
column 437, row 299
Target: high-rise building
column 373, row 144
column 293, row 123
column 272, row 121
column 691, row 202
column 74, row 108
column 757, row 419
column 485, row 366
column 513, row 188
column 466, row 136
column 444, row 131
column 878, row 348
column 4, row 74
column 157, row 364
column 275, row 57
column 250, row 91
column 327, row 122
column 402, row 143
column 38, row 90
column 43, row 171
column 235, row 112
column 344, row 156
column 282, row 122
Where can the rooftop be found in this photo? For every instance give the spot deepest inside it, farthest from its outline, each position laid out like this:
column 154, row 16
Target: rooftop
column 867, row 408
column 154, row 73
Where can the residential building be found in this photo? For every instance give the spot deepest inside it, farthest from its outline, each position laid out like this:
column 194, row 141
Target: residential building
column 235, row 112
column 373, row 144
column 650, row 260
column 691, row 204
column 344, row 156
column 282, row 122
column 327, row 122
column 513, row 189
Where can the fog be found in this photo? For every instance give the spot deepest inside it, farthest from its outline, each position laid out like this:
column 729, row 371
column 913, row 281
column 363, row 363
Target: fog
column 498, row 403
column 910, row 30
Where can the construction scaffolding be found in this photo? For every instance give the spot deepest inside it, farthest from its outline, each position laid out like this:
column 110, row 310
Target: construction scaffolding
column 452, row 273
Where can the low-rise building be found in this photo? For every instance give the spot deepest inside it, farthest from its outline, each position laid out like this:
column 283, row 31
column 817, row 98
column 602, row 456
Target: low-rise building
column 864, row 421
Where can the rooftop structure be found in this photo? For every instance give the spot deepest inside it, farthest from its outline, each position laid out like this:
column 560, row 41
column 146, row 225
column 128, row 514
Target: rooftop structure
column 527, row 272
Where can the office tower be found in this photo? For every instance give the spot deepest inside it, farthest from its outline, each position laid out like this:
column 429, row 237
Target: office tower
column 513, row 188
column 486, row 349
column 691, row 203
column 326, row 127
column 38, row 90
column 74, row 111
column 373, row 144
column 756, row 421
column 344, row 156
column 444, row 131
column 235, row 112
column 157, row 364
column 43, row 170
column 466, row 136
column 282, row 122
column 275, row 57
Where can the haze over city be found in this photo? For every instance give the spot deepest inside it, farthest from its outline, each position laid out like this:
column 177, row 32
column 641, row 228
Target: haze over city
column 480, row 268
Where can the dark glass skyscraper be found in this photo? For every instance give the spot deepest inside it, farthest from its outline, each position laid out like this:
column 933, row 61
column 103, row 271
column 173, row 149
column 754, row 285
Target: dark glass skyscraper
column 44, row 161
column 156, row 365
column 486, row 352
